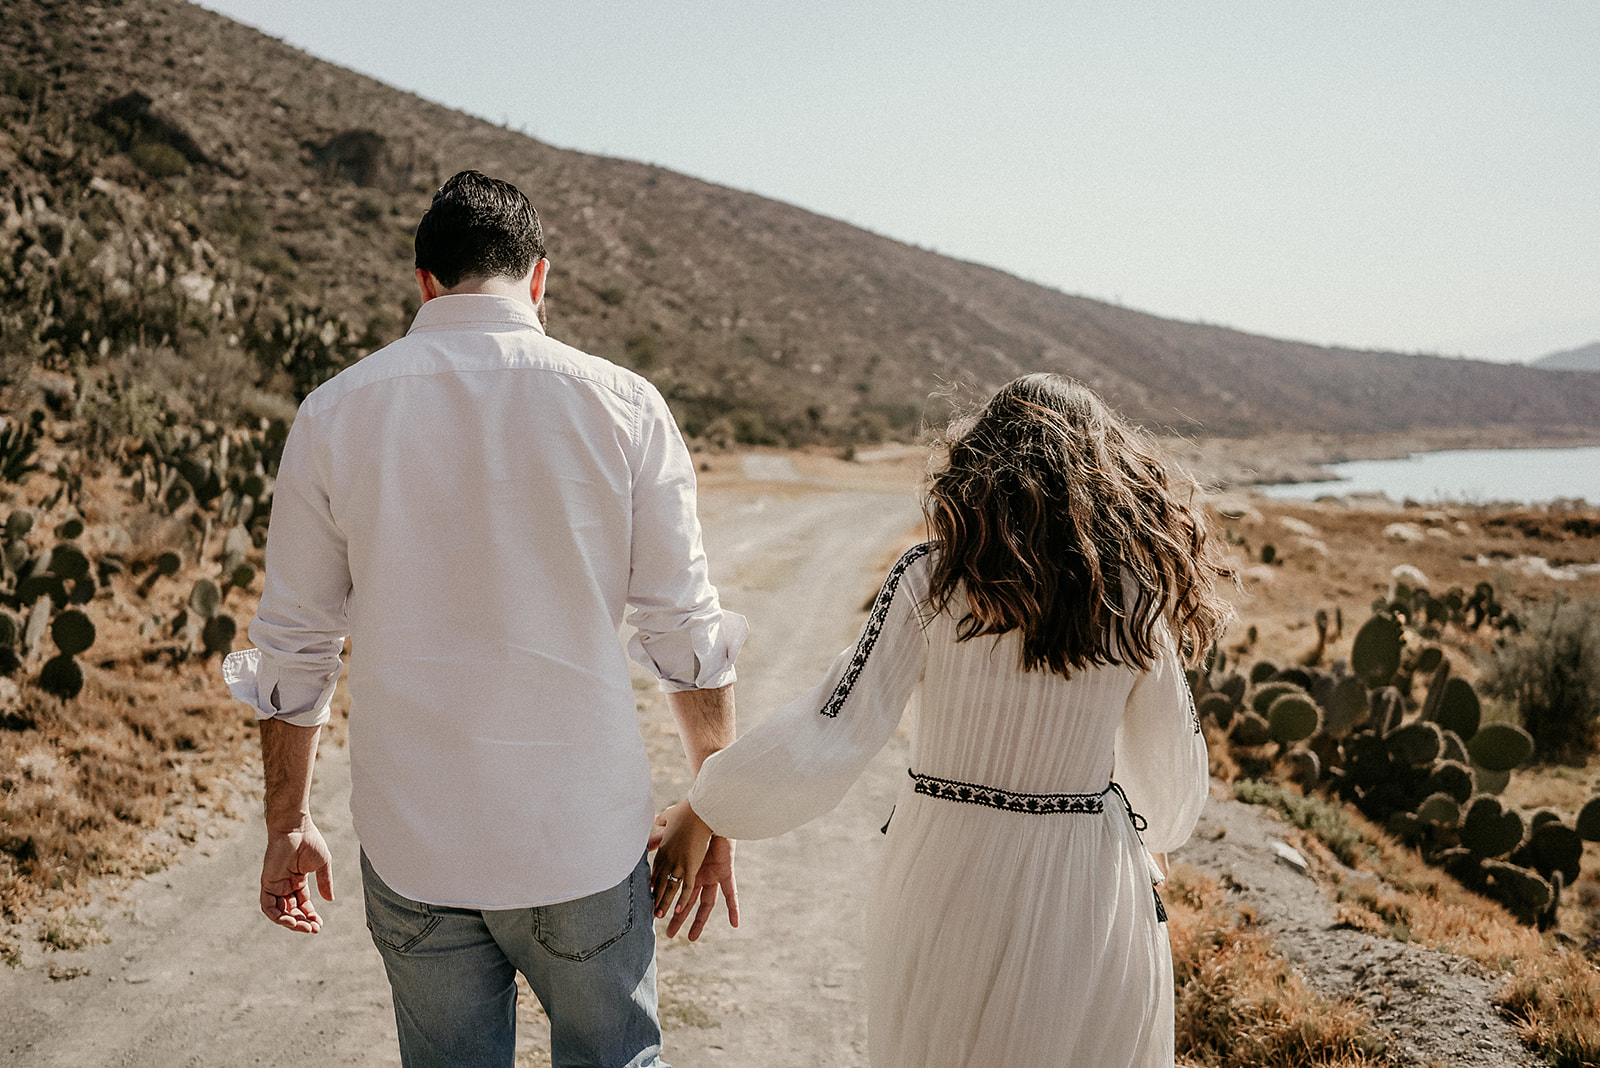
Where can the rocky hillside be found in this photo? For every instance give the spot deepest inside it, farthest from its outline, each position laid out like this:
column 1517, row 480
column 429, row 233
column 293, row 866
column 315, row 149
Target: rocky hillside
column 205, row 218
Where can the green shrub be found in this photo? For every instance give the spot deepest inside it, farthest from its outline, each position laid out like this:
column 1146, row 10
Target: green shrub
column 158, row 160
column 1551, row 671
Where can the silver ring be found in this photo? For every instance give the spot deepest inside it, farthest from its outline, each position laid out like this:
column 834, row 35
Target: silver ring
column 674, row 879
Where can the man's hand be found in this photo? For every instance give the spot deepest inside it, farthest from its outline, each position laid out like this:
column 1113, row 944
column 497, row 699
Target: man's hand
column 285, row 896
column 691, row 864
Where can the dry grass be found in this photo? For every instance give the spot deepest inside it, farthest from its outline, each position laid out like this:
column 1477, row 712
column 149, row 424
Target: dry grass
column 1240, row 1004
column 109, row 783
column 1552, row 994
column 116, row 781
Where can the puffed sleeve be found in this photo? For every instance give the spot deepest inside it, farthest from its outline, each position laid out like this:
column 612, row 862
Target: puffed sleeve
column 1161, row 761
column 798, row 764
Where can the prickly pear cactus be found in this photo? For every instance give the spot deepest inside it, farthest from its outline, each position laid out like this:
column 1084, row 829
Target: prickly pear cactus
column 1554, row 847
column 1346, row 707
column 1500, row 747
column 1250, row 729
column 1261, row 699
column 1293, row 717
column 1415, row 744
column 1375, row 656
column 1459, row 709
column 1451, row 778
column 1489, row 829
column 72, row 631
column 1589, row 821
column 1440, row 809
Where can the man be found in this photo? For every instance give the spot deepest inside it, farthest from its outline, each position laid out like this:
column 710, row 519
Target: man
column 476, row 506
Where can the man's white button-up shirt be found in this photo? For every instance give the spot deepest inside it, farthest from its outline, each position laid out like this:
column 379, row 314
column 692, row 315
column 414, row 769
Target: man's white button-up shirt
column 478, row 507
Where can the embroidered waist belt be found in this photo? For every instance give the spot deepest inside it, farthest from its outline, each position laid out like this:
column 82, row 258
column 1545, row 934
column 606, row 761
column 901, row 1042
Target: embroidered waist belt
column 994, row 797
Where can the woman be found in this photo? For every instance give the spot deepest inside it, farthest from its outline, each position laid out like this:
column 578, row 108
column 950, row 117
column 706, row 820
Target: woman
column 1015, row 921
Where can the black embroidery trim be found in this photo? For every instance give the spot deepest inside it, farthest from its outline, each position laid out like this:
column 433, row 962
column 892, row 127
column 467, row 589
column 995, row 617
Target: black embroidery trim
column 875, row 621
column 1194, row 713
column 994, row 797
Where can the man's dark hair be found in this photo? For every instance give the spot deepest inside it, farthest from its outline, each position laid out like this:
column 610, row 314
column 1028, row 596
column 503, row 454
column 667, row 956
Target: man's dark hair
column 478, row 227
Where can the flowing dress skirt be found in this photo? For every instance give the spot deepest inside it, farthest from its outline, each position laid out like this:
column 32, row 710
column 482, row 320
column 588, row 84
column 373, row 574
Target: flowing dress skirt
column 1003, row 934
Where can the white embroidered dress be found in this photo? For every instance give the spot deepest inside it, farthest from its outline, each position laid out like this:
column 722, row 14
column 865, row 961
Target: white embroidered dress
column 1000, row 936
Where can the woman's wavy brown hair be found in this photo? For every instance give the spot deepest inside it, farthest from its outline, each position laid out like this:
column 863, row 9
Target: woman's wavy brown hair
column 1047, row 506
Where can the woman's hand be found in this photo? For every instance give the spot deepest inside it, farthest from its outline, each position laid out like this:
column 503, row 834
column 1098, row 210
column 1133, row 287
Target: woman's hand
column 691, row 863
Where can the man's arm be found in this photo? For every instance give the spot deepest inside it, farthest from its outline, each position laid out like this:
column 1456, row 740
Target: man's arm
column 705, row 722
column 295, row 847
column 692, row 863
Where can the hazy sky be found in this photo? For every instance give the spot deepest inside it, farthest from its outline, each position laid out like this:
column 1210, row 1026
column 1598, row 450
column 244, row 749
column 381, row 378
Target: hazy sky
column 1417, row 176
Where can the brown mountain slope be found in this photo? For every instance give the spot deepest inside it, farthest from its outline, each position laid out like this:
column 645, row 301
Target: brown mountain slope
column 180, row 183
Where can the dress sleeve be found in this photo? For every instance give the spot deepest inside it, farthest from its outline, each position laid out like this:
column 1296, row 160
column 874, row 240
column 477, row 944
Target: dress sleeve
column 798, row 764
column 1161, row 760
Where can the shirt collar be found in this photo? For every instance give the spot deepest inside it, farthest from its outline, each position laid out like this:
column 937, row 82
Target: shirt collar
column 459, row 309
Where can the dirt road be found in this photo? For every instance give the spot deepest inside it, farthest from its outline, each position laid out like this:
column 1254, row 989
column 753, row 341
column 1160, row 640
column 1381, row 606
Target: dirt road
column 193, row 975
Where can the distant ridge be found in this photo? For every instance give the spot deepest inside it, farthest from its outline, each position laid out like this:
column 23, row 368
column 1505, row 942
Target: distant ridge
column 1584, row 358
column 180, row 180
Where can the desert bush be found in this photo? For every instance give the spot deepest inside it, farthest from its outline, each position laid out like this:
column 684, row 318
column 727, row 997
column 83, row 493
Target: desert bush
column 112, row 410
column 1551, row 671
column 158, row 160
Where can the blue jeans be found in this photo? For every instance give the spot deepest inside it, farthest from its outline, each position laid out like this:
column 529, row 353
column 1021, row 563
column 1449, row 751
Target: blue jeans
column 453, row 975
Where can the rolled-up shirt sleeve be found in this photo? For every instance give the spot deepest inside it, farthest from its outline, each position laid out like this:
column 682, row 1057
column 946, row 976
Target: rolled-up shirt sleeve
column 300, row 626
column 682, row 635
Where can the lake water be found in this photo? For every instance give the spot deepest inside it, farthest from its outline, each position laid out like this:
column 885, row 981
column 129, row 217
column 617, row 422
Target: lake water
column 1467, row 476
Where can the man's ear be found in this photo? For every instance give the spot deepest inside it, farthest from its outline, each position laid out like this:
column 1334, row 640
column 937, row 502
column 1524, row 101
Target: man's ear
column 428, row 284
column 536, row 283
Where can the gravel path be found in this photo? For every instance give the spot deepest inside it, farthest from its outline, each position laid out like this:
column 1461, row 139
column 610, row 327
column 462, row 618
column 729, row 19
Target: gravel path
column 192, row 975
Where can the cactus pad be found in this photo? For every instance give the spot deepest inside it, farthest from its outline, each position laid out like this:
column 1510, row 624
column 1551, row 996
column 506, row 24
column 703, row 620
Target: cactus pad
column 1459, row 709
column 1500, row 747
column 1268, row 692
column 1441, row 809
column 1218, row 707
column 1452, row 778
column 1555, row 847
column 1415, row 744
column 1375, row 656
column 18, row 523
column 1489, row 782
column 1346, row 707
column 218, row 635
column 1250, row 728
column 68, row 562
column 72, row 631
column 205, row 599
column 1293, row 717
column 1524, row 892
column 1490, row 830
column 61, row 677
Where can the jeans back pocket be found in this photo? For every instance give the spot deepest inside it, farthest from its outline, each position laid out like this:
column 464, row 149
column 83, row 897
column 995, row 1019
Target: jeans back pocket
column 577, row 930
column 395, row 921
